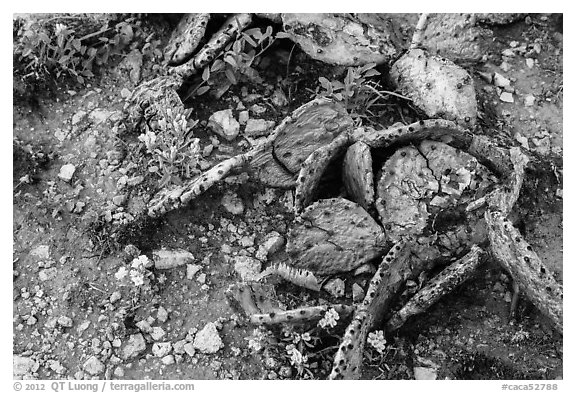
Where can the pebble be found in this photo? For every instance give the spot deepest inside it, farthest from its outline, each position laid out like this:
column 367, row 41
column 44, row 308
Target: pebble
column 506, row 97
column 257, row 109
column 529, row 100
column 247, row 267
column 157, row 333
column 161, row 349
column 23, row 365
column 162, row 314
column 335, row 287
column 118, row 372
column 207, row 340
column 357, row 292
column 505, row 66
column 530, row 62
column 191, row 270
column 232, row 203
column 135, row 346
column 66, row 172
column 258, row 127
column 273, row 242
column 189, row 349
column 93, row 366
column 119, row 200
column 501, row 81
column 279, row 98
column 168, row 360
column 285, row 372
column 224, row 124
column 201, row 279
column 134, row 181
column 168, row 259
column 65, row 321
column 41, row 252
column 243, row 117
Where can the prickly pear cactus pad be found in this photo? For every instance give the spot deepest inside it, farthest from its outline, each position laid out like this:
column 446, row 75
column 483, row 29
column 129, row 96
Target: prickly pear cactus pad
column 357, row 174
column 437, row 86
column 414, row 181
column 313, row 127
column 333, row 236
column 457, row 37
column 344, row 39
column 185, row 38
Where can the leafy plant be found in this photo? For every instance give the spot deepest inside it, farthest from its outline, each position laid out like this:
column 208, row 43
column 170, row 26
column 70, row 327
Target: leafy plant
column 359, row 92
column 173, row 153
column 71, row 46
column 236, row 62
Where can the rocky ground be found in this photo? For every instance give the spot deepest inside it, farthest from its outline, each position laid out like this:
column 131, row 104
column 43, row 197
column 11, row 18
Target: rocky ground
column 95, row 295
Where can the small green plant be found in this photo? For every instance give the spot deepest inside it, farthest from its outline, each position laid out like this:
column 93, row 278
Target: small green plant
column 358, row 92
column 173, row 152
column 236, row 62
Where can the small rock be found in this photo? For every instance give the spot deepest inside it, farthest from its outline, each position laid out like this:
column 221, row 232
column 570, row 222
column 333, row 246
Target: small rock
column 189, row 349
column 168, row 259
column 257, row 109
column 23, row 365
column 224, row 124
column 41, row 252
column 279, row 98
column 424, row 373
column 134, row 347
column 66, row 172
column 529, row 100
column 47, row 274
column 500, row 80
column 357, row 292
column 233, row 203
column 178, row 347
column 335, row 287
column 162, row 314
column 65, row 321
column 207, row 340
column 119, row 372
column 99, row 115
column 505, row 66
column 134, row 181
column 248, row 268
column 285, row 372
column 367, row 268
column 243, row 117
column 530, row 62
column 93, row 366
column 191, row 270
column 83, row 326
column 119, row 200
column 258, row 127
column 161, row 349
column 157, row 333
column 125, row 93
column 273, row 242
column 508, row 53
column 506, row 97
column 168, row 360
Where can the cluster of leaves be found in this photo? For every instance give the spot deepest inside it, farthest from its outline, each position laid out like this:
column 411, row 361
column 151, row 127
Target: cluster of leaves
column 72, row 46
column 359, row 92
column 237, row 62
column 173, row 153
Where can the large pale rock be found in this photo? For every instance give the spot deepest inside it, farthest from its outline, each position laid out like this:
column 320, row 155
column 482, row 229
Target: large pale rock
column 248, row 268
column 93, row 366
column 23, row 365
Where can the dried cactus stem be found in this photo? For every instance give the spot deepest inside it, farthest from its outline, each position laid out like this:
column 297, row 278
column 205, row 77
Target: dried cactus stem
column 304, row 315
column 387, row 281
column 418, row 35
column 444, row 283
column 231, row 28
column 519, row 259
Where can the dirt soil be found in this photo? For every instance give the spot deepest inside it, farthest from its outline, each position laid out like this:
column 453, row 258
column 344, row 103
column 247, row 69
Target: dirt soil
column 73, row 319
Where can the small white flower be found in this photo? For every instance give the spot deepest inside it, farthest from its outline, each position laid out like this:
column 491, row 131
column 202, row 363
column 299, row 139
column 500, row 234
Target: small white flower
column 149, row 140
column 140, row 262
column 330, row 319
column 136, row 277
column 121, row 273
column 59, row 28
column 376, row 339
